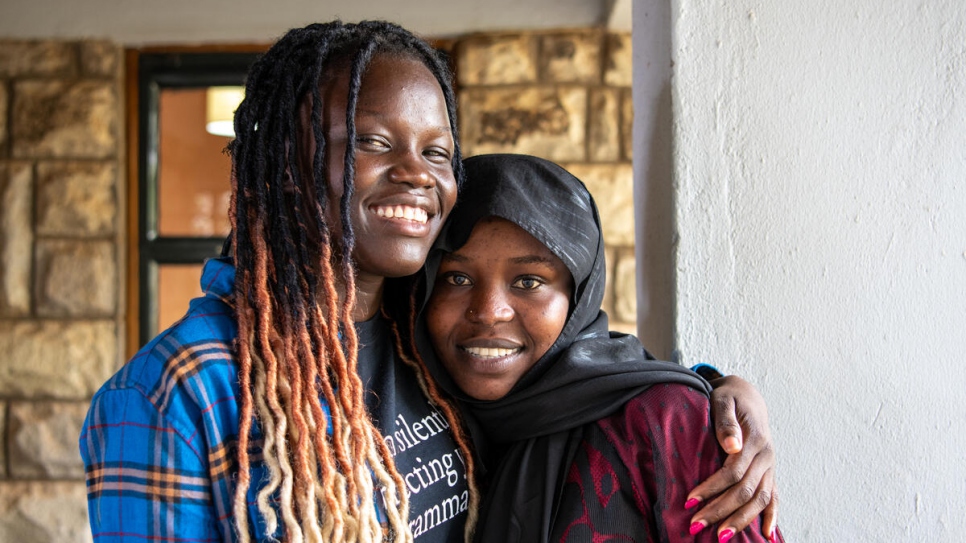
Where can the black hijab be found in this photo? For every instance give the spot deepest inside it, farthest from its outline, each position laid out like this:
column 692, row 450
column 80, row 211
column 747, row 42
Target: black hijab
column 587, row 374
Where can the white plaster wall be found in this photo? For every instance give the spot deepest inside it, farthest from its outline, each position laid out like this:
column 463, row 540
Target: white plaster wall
column 820, row 186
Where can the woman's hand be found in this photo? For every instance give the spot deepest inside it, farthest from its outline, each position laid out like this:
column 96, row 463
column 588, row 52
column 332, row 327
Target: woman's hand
column 745, row 486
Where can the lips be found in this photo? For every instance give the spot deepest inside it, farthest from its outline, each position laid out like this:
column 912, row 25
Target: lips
column 491, row 352
column 411, row 212
column 490, row 348
column 481, row 363
column 406, row 212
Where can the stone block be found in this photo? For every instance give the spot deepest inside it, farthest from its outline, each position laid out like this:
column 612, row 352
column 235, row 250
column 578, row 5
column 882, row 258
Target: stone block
column 44, row 512
column 42, row 440
column 99, row 58
column 496, row 60
column 619, row 63
column 4, row 94
column 36, row 58
column 573, row 57
column 625, row 286
column 75, row 278
column 613, row 188
column 549, row 122
column 76, row 198
column 56, row 359
column 3, row 440
column 16, row 237
column 627, row 124
column 604, row 131
column 64, row 119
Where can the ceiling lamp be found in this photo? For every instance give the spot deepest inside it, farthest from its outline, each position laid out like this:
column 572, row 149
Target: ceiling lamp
column 222, row 103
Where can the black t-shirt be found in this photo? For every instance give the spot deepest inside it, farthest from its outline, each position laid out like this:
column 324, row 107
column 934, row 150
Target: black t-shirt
column 417, row 434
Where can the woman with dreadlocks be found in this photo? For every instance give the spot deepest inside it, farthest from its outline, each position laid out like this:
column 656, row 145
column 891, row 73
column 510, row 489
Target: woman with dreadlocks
column 257, row 416
column 280, row 407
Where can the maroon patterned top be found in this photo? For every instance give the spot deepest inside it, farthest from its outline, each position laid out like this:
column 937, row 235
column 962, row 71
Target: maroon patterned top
column 634, row 469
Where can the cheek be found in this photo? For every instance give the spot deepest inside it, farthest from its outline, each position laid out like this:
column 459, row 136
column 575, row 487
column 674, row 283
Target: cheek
column 448, row 194
column 554, row 317
column 439, row 319
column 333, row 170
column 333, row 197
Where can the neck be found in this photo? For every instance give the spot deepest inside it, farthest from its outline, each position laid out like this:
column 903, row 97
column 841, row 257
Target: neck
column 368, row 293
column 368, row 296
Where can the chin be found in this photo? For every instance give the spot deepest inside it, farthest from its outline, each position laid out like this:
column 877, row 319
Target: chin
column 392, row 262
column 406, row 272
column 483, row 392
column 487, row 396
column 401, row 267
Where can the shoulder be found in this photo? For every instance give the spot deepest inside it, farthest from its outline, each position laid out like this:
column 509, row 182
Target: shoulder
column 186, row 373
column 662, row 413
column 666, row 397
column 196, row 352
column 662, row 401
column 664, row 433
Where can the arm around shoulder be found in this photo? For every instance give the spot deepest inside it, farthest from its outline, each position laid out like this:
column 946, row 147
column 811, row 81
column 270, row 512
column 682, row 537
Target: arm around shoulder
column 677, row 449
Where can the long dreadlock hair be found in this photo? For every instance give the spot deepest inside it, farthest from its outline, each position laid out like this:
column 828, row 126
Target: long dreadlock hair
column 297, row 346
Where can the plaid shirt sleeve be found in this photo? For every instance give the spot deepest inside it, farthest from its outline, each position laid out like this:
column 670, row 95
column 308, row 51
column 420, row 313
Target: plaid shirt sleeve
column 145, row 482
column 158, row 442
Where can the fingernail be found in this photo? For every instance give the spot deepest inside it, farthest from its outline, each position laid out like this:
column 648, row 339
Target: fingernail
column 771, row 538
column 696, row 527
column 724, row 536
column 732, row 444
column 691, row 503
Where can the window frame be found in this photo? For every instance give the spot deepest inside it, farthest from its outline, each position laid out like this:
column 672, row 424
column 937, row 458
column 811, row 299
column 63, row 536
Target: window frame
column 150, row 71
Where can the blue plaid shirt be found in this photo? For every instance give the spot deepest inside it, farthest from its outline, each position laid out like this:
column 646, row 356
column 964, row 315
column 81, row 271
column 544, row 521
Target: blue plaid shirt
column 159, row 440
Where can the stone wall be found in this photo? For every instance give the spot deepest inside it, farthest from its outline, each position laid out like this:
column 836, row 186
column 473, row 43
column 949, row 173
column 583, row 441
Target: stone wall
column 561, row 95
column 564, row 96
column 60, row 135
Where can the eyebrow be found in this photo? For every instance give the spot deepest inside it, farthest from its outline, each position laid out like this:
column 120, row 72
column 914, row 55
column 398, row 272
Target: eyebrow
column 526, row 259
column 532, row 259
column 455, row 257
column 380, row 116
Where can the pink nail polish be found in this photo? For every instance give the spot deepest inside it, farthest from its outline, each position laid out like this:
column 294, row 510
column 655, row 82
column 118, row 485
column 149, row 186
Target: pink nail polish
column 726, row 535
column 691, row 503
column 696, row 527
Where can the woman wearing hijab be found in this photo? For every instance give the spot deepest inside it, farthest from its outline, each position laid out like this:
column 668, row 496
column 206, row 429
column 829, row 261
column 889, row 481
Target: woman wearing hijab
column 594, row 440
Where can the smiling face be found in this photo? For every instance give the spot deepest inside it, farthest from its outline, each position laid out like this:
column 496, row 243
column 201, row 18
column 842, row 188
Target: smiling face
column 499, row 303
column 404, row 186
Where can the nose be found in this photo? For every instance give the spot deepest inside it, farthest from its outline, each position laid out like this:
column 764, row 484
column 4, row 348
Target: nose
column 411, row 169
column 489, row 306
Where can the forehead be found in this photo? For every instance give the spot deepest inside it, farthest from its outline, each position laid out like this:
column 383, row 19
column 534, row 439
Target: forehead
column 386, row 74
column 393, row 88
column 498, row 238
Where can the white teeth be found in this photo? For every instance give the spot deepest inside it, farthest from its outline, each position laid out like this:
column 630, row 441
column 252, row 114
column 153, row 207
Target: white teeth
column 487, row 352
column 403, row 212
